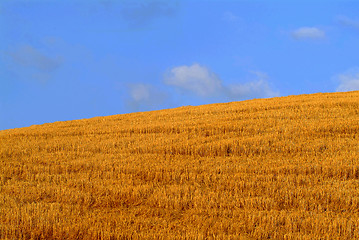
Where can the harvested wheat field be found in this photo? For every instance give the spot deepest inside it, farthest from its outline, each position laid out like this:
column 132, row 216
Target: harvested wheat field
column 280, row 168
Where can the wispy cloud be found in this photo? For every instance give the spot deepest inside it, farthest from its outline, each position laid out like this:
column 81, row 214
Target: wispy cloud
column 348, row 22
column 308, row 33
column 230, row 17
column 348, row 81
column 33, row 62
column 144, row 96
column 139, row 13
column 29, row 56
column 201, row 81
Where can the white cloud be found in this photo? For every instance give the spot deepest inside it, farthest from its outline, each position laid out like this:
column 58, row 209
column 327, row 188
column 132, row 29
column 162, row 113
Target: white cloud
column 196, row 79
column 204, row 83
column 348, row 22
column 308, row 33
column 144, row 96
column 140, row 92
column 349, row 81
column 255, row 88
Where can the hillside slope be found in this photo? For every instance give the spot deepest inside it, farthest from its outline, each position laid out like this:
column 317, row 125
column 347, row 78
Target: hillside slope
column 282, row 168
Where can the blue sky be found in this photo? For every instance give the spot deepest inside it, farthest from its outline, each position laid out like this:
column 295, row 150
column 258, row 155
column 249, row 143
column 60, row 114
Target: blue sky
column 65, row 60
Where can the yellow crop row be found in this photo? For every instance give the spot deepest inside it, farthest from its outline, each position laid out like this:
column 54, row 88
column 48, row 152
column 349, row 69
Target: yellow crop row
column 280, row 168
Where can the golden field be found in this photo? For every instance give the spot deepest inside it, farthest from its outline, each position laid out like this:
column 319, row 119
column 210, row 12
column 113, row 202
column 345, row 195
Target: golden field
column 280, row 168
